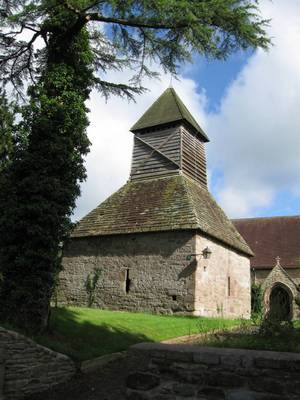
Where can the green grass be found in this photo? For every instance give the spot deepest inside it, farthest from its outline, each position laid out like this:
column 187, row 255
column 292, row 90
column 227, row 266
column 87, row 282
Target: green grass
column 288, row 341
column 85, row 333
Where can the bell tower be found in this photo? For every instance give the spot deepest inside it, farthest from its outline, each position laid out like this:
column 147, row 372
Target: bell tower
column 168, row 141
column 148, row 237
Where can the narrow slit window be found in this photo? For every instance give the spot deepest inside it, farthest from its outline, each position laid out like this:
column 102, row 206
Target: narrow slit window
column 127, row 281
column 228, row 286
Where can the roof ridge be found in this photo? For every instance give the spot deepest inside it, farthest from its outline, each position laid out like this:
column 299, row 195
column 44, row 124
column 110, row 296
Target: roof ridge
column 190, row 199
column 181, row 105
column 238, row 236
column 286, row 273
column 221, row 213
column 260, row 218
column 174, row 94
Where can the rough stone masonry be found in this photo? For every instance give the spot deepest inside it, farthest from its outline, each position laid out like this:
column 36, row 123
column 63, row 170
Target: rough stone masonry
column 161, row 278
column 182, row 372
column 26, row 367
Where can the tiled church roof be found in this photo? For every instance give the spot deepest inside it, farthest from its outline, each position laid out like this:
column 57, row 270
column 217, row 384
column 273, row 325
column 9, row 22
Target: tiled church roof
column 168, row 108
column 170, row 203
column 272, row 237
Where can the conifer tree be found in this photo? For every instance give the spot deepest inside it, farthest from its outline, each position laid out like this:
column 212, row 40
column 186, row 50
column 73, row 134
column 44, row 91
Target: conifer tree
column 7, row 118
column 62, row 49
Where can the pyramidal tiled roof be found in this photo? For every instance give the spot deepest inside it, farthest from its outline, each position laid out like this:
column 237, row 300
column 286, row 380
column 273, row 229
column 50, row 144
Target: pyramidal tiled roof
column 166, row 109
column 165, row 204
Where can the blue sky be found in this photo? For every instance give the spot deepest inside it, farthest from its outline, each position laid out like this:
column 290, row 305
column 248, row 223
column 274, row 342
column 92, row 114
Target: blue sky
column 249, row 108
column 215, row 77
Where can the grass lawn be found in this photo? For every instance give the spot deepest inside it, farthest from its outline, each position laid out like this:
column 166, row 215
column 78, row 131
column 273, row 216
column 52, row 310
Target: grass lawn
column 85, row 333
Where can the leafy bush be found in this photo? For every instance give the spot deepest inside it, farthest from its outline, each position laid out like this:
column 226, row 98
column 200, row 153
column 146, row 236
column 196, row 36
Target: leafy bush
column 256, row 302
column 297, row 299
column 90, row 285
column 272, row 326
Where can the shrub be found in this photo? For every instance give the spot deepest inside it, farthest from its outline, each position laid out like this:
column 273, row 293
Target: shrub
column 256, row 302
column 297, row 299
column 272, row 326
column 90, row 285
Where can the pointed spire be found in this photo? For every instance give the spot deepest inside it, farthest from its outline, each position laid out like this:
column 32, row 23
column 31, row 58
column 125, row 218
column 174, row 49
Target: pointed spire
column 168, row 108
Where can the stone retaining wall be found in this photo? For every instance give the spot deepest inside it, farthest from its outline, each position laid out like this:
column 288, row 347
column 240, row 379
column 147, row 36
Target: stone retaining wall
column 29, row 367
column 2, row 369
column 168, row 372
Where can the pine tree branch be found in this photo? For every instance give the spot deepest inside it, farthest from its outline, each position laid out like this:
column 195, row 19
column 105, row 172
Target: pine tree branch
column 134, row 22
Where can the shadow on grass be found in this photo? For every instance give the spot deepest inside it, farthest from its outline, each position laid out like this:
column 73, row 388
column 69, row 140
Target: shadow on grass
column 83, row 340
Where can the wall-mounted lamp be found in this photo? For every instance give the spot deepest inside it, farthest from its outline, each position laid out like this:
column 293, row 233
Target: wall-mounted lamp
column 206, row 253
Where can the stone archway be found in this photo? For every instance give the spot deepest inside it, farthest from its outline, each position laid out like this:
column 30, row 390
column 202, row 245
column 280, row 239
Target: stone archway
column 280, row 302
column 280, row 287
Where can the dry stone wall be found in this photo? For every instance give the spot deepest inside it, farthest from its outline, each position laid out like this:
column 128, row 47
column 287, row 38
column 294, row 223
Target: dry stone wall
column 2, row 370
column 182, row 372
column 29, row 367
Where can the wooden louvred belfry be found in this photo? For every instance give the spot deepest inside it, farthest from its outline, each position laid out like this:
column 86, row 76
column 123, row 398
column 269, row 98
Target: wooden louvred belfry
column 168, row 141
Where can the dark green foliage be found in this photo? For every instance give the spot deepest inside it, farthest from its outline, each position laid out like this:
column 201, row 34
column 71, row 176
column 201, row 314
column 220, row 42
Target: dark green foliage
column 42, row 181
column 297, row 299
column 272, row 326
column 133, row 33
column 91, row 284
column 256, row 301
column 7, row 117
column 277, row 320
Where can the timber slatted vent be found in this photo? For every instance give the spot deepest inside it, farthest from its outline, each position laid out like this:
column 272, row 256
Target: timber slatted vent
column 193, row 158
column 156, row 153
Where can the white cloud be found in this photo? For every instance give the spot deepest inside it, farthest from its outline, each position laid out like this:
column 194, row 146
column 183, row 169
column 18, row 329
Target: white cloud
column 256, row 133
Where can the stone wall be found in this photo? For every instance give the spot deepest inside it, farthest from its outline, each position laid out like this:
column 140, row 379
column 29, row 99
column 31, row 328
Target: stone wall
column 160, row 277
column 155, row 263
column 222, row 281
column 2, row 371
column 30, row 368
column 181, row 372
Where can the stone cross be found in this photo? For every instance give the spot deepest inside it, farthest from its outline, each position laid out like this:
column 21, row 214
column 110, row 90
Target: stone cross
column 277, row 260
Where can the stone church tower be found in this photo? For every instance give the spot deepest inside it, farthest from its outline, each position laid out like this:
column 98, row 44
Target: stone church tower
column 161, row 243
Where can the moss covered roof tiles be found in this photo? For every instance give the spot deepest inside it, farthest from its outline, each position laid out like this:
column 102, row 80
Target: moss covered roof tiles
column 165, row 204
column 166, row 109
